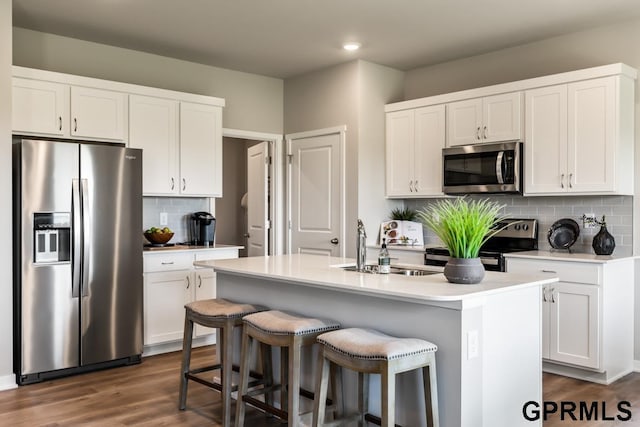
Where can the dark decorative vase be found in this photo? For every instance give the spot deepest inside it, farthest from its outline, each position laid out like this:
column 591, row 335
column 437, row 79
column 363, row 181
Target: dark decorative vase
column 465, row 271
column 603, row 242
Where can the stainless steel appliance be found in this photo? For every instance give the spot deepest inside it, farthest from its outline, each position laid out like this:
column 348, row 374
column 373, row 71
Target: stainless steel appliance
column 517, row 235
column 203, row 229
column 483, row 168
column 77, row 257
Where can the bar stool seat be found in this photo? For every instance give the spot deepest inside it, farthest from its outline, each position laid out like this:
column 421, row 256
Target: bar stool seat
column 223, row 315
column 368, row 351
column 280, row 329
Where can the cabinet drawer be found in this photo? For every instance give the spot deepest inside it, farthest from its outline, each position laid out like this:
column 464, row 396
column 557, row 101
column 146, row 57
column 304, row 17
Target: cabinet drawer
column 576, row 272
column 217, row 254
column 167, row 261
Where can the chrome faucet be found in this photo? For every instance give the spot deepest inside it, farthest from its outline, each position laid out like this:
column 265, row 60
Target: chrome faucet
column 361, row 247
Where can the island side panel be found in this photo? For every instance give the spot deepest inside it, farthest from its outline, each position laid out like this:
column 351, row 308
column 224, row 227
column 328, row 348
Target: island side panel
column 512, row 351
column 439, row 325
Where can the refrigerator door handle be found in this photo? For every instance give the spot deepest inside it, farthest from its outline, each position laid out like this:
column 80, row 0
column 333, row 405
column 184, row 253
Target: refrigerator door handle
column 86, row 237
column 76, row 265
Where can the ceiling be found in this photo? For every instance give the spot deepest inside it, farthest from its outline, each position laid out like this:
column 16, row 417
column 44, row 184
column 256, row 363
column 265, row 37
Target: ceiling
column 285, row 38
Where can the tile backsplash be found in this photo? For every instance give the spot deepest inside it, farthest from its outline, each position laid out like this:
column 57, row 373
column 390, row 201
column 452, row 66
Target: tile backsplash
column 177, row 209
column 617, row 210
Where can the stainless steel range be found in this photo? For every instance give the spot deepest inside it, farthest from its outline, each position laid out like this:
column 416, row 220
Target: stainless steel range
column 517, row 235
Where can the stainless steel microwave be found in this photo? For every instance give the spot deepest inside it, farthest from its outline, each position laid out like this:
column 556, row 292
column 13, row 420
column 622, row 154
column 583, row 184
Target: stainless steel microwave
column 483, row 168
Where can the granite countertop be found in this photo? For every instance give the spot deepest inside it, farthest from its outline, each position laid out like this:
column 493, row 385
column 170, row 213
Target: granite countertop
column 321, row 271
column 573, row 256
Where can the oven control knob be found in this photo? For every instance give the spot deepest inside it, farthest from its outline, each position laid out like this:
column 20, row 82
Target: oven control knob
column 517, row 226
column 525, row 227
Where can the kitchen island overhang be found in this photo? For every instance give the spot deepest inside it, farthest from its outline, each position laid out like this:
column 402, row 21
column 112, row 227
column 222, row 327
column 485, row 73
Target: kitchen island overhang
column 488, row 335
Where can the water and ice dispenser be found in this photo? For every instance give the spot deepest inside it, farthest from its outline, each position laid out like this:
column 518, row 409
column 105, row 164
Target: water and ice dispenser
column 51, row 237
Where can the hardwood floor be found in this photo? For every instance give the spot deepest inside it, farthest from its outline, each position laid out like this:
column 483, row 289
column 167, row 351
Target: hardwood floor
column 147, row 395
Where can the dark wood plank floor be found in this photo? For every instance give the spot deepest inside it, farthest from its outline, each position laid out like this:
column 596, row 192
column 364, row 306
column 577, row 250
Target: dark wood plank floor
column 147, row 395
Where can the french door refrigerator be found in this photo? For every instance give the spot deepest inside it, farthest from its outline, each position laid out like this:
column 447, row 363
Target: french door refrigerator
column 77, row 257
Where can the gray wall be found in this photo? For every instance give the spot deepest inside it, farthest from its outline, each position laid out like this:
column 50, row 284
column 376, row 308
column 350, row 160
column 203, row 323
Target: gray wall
column 351, row 94
column 230, row 216
column 254, row 102
column 6, row 310
column 324, row 99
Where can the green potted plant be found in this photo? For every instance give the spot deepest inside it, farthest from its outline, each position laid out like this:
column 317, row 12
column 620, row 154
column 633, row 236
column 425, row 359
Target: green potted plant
column 463, row 225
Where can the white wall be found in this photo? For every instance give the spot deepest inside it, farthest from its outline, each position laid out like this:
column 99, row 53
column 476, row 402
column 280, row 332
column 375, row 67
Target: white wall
column 598, row 46
column 7, row 380
column 253, row 102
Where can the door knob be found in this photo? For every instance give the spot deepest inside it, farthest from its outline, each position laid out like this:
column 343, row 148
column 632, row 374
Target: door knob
column 247, row 235
column 335, row 241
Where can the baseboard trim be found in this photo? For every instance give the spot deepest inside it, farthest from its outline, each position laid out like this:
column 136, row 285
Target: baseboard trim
column 8, row 382
column 636, row 366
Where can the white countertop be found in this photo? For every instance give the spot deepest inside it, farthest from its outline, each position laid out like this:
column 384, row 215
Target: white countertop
column 566, row 256
column 183, row 248
column 321, row 271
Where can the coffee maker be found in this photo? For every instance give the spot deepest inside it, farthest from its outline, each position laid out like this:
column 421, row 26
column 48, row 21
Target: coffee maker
column 202, row 226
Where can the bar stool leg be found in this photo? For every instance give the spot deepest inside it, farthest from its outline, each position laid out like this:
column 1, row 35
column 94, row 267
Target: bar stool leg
column 335, row 375
column 363, row 397
column 245, row 354
column 284, row 378
column 322, row 380
column 267, row 372
column 186, row 361
column 388, row 388
column 431, row 393
column 226, row 372
column 294, row 383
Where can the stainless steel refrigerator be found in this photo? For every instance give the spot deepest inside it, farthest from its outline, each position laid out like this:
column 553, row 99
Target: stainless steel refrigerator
column 77, row 257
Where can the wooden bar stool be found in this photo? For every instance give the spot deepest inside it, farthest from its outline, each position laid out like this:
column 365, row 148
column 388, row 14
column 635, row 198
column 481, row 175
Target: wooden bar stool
column 224, row 316
column 371, row 352
column 284, row 330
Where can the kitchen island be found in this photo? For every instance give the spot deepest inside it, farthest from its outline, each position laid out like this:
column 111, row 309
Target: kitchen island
column 488, row 335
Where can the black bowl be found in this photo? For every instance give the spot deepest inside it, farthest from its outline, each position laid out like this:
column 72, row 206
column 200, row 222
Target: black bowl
column 563, row 233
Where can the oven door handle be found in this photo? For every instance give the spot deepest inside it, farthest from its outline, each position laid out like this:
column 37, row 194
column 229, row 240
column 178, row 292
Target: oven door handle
column 499, row 171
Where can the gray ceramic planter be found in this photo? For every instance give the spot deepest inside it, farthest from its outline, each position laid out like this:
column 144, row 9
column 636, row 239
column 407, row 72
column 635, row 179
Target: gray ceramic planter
column 466, row 271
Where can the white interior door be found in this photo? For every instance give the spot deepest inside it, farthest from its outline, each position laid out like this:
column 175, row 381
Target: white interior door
column 316, row 192
column 257, row 199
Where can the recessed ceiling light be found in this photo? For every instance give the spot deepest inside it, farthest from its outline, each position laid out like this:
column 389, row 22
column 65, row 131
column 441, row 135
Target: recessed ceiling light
column 351, row 46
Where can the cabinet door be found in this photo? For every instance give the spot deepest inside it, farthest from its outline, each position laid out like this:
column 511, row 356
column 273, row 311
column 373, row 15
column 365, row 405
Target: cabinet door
column 464, row 120
column 205, row 288
column 39, row 107
column 429, row 142
column 400, row 134
column 153, row 126
column 574, row 324
column 502, row 117
column 200, row 150
column 98, row 114
column 592, row 115
column 545, row 144
column 165, row 296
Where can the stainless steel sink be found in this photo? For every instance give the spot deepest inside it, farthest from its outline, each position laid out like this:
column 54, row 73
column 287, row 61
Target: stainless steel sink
column 405, row 271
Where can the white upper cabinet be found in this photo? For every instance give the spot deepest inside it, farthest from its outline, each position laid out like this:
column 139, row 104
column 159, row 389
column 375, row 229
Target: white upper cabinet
column 98, row 114
column 200, row 150
column 579, row 138
column 153, row 127
column 182, row 145
column 40, row 108
column 488, row 119
column 414, row 143
column 46, row 108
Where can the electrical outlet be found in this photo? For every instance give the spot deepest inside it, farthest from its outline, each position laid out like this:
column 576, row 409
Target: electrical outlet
column 589, row 220
column 163, row 218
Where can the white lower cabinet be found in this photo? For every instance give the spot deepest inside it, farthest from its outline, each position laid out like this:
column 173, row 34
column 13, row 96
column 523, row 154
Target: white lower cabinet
column 170, row 282
column 587, row 319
